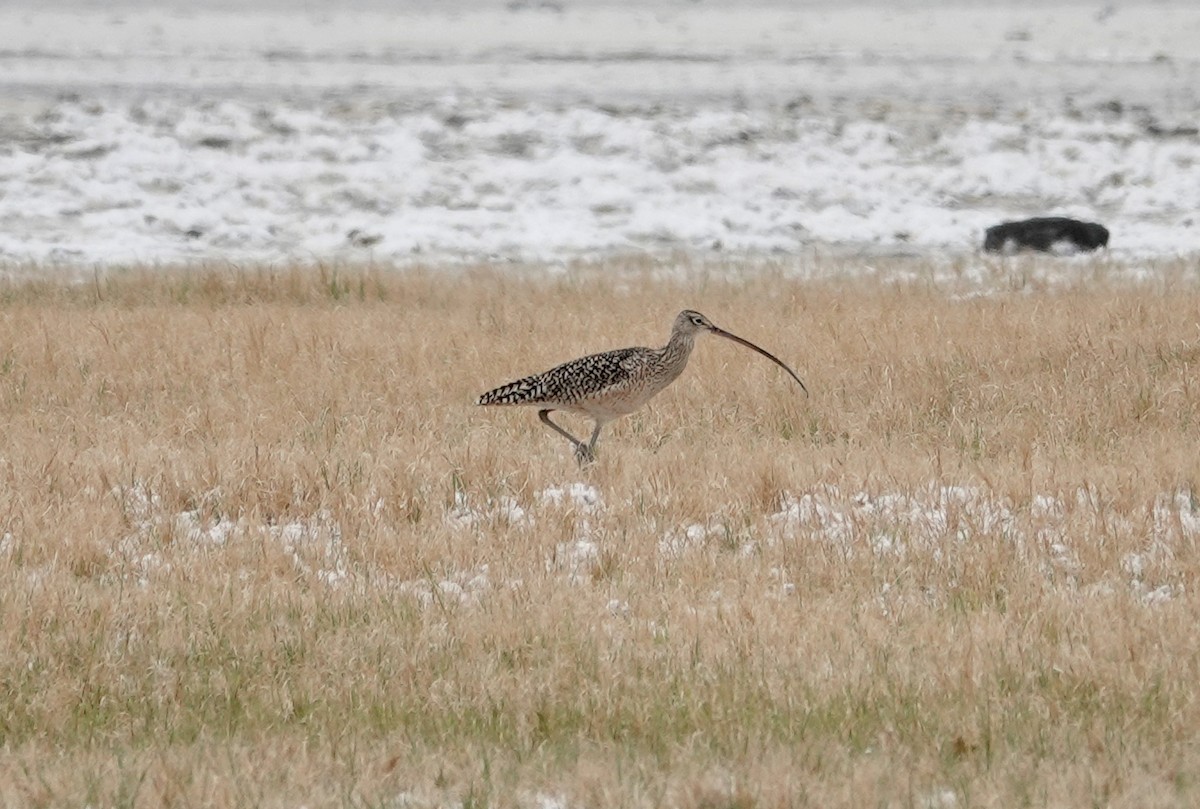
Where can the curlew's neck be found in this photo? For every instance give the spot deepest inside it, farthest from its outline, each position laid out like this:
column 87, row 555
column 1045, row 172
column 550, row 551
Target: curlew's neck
column 676, row 352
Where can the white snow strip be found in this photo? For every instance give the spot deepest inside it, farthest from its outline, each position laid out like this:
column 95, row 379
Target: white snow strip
column 928, row 520
column 529, row 132
column 162, row 182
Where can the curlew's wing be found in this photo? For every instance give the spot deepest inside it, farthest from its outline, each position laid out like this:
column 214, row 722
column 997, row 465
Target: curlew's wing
column 571, row 381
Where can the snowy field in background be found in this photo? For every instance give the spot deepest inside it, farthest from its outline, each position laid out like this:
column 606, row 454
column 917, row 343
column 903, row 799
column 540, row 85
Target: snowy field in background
column 547, row 131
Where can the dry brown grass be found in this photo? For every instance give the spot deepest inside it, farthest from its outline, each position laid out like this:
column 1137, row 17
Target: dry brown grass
column 259, row 547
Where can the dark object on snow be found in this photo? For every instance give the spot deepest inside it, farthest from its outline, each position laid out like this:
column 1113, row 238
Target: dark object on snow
column 360, row 238
column 1049, row 234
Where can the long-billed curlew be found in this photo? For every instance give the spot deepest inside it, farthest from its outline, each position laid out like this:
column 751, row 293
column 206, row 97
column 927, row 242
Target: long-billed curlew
column 613, row 383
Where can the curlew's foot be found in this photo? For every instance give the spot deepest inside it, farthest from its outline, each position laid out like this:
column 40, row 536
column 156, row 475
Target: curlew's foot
column 584, row 454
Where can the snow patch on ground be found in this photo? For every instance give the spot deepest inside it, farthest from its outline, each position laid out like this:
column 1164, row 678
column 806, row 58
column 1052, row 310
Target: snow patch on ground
column 714, row 532
column 582, row 496
column 928, row 522
column 895, row 524
column 460, row 588
column 578, row 557
column 545, row 801
column 504, row 510
column 314, row 544
column 891, row 522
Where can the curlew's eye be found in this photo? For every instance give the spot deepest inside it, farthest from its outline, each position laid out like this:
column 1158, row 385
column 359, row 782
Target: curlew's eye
column 699, row 321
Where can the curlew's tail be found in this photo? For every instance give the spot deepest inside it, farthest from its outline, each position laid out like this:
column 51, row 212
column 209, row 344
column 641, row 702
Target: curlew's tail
column 530, row 390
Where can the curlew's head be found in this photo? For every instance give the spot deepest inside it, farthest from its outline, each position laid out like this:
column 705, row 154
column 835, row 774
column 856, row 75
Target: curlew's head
column 690, row 322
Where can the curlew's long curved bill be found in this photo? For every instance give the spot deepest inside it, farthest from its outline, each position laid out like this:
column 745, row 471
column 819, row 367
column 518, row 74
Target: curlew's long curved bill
column 765, row 353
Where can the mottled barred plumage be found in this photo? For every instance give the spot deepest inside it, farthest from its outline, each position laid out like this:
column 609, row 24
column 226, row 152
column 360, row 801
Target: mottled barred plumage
column 613, row 383
column 571, row 381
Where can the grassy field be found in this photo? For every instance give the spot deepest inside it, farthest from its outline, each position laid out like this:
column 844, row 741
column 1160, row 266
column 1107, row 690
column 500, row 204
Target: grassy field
column 259, row 548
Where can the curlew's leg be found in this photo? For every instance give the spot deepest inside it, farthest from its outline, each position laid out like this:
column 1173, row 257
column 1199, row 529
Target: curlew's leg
column 544, row 415
column 586, row 453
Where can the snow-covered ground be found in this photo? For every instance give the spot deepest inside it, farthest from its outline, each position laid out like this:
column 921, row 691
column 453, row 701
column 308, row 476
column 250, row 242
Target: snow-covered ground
column 549, row 130
column 928, row 522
